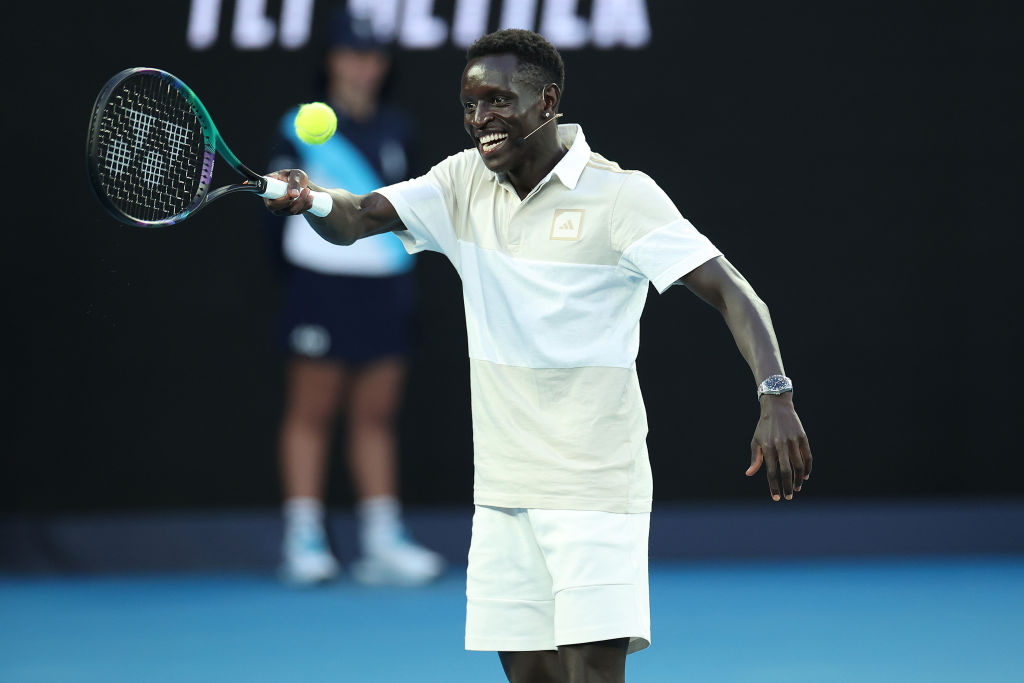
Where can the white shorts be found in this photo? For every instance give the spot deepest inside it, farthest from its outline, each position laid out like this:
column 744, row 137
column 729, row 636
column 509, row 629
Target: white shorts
column 538, row 579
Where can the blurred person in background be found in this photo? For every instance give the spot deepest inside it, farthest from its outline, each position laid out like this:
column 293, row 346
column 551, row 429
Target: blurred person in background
column 346, row 326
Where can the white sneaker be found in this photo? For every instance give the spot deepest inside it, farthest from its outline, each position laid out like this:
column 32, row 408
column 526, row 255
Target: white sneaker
column 397, row 562
column 307, row 559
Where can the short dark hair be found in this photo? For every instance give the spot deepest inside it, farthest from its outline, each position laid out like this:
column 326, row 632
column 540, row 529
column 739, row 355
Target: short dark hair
column 539, row 61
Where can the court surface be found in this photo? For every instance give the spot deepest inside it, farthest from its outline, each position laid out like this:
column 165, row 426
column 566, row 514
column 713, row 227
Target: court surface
column 934, row 619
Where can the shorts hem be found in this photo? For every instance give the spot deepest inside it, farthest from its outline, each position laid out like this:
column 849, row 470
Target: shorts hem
column 593, row 634
column 509, row 644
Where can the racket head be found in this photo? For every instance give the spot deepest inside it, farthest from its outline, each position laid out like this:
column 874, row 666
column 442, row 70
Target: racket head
column 150, row 148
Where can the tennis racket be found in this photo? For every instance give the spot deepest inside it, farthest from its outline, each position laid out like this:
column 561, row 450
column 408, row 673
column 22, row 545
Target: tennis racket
column 151, row 149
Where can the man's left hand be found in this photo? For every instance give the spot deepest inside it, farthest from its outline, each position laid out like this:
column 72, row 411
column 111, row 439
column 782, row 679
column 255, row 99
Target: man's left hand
column 780, row 443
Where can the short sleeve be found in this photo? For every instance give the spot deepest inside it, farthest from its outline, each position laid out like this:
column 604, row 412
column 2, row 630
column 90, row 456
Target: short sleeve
column 425, row 206
column 654, row 239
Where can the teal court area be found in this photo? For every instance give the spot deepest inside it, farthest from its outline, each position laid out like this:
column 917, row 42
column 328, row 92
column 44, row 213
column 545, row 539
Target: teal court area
column 939, row 618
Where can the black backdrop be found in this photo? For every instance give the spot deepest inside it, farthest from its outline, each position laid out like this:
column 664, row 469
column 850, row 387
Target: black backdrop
column 857, row 161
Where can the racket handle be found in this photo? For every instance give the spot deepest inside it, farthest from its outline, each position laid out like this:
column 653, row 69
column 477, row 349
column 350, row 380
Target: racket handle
column 322, row 202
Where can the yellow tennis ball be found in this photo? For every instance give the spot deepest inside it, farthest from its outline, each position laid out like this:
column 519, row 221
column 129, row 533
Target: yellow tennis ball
column 315, row 123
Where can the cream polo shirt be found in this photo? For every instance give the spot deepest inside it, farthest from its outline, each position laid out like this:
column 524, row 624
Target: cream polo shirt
column 554, row 286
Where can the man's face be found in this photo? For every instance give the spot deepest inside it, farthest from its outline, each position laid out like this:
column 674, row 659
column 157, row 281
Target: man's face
column 498, row 109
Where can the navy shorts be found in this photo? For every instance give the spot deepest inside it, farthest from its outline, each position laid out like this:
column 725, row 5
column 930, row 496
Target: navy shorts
column 354, row 320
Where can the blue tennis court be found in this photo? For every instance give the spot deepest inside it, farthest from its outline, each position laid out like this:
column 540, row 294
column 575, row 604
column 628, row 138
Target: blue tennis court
column 935, row 619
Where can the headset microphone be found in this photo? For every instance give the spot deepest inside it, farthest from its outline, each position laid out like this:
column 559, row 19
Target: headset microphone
column 519, row 142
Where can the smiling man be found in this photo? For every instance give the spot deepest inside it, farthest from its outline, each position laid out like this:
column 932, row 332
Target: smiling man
column 556, row 247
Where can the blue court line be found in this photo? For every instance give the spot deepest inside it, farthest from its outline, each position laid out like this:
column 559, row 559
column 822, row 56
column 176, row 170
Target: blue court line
column 935, row 619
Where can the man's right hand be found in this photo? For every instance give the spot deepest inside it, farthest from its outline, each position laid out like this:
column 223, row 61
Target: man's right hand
column 352, row 217
column 297, row 200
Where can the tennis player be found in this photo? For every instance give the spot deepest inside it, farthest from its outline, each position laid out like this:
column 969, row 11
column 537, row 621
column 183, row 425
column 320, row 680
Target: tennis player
column 556, row 246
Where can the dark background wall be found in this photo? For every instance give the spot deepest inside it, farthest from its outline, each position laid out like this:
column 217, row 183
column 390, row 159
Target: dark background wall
column 859, row 162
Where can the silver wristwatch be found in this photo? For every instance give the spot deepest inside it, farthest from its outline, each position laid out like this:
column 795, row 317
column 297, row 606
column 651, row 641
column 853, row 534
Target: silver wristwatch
column 775, row 385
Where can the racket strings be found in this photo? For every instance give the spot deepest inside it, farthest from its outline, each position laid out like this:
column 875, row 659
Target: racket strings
column 154, row 160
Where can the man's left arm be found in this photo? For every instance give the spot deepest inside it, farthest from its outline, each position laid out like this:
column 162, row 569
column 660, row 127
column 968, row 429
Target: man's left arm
column 779, row 442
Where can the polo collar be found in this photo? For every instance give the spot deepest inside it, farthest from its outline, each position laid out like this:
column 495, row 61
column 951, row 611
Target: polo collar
column 571, row 166
column 569, row 169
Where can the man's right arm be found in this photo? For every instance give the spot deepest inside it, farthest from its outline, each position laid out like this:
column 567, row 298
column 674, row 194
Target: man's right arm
column 352, row 217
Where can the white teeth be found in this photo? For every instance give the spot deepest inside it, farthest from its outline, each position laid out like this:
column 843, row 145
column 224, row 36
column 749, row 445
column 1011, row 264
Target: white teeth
column 492, row 140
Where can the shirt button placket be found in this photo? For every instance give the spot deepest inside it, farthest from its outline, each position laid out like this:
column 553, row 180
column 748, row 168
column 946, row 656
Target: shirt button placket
column 513, row 233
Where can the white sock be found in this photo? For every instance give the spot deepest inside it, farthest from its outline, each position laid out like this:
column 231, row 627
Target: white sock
column 380, row 521
column 303, row 513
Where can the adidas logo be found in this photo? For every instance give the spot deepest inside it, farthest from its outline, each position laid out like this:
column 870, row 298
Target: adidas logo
column 567, row 224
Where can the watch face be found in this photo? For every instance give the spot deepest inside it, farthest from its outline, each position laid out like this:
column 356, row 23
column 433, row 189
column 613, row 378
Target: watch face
column 776, row 384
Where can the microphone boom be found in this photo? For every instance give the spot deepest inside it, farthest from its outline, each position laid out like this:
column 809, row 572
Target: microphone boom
column 521, row 141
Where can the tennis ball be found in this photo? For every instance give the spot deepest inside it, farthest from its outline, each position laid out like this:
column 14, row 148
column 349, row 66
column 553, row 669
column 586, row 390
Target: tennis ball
column 315, row 123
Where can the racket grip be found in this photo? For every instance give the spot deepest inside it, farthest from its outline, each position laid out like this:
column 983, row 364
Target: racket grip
column 322, row 202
